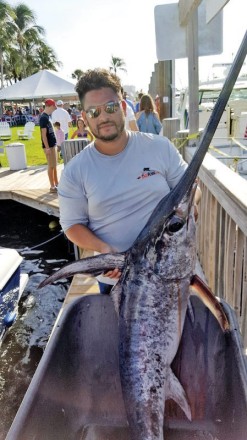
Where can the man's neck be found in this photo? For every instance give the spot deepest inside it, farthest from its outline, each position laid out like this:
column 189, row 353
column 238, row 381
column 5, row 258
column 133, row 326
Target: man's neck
column 111, row 148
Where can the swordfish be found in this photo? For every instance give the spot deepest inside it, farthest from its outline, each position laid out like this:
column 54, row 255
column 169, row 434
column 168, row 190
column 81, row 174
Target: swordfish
column 152, row 294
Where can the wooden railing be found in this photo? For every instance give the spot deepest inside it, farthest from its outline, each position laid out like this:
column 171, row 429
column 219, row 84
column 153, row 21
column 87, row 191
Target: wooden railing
column 222, row 234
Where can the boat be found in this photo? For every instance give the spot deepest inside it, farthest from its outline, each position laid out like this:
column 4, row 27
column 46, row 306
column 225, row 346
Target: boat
column 75, row 392
column 12, row 285
column 229, row 143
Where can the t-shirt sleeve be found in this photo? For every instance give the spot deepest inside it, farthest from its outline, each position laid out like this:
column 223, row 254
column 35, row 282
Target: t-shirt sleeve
column 73, row 204
column 177, row 166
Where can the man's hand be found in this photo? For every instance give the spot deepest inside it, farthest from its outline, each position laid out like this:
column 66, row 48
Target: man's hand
column 115, row 273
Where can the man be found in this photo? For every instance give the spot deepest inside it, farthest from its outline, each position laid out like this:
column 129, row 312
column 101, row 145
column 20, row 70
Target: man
column 129, row 102
column 61, row 115
column 130, row 119
column 137, row 108
column 108, row 191
column 48, row 139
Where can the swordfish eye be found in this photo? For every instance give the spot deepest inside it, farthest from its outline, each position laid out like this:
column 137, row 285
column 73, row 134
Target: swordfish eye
column 174, row 224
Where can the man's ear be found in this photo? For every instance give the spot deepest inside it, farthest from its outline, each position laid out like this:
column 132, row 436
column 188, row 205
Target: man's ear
column 84, row 116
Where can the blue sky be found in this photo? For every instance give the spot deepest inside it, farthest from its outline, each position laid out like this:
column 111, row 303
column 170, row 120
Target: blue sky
column 86, row 33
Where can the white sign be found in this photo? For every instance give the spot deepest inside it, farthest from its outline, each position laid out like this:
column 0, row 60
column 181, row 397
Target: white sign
column 186, row 7
column 213, row 7
column 171, row 37
column 165, row 99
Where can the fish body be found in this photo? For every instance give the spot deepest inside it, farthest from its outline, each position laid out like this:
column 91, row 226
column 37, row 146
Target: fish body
column 152, row 304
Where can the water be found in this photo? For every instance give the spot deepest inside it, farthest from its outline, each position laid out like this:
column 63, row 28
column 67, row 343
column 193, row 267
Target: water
column 21, row 350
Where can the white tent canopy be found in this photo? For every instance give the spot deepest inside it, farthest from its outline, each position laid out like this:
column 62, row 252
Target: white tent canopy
column 41, row 85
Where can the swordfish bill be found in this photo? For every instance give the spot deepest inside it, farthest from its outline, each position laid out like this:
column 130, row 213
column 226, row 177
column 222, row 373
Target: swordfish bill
column 152, row 294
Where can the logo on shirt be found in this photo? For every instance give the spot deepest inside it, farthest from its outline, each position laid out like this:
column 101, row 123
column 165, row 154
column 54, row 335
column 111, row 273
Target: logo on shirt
column 147, row 173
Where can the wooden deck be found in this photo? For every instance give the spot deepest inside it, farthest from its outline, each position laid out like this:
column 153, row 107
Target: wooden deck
column 30, row 187
column 81, row 285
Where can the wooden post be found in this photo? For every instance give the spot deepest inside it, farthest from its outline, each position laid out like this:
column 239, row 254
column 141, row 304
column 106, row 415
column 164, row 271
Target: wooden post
column 192, row 45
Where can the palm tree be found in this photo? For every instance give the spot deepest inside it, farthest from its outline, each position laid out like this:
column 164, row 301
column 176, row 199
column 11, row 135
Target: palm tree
column 117, row 64
column 6, row 31
column 41, row 56
column 77, row 74
column 12, row 65
column 27, row 31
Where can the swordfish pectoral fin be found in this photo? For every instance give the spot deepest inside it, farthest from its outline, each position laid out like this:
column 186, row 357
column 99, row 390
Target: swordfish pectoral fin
column 175, row 391
column 210, row 301
column 92, row 266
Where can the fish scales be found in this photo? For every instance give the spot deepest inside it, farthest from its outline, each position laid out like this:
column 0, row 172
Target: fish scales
column 152, row 306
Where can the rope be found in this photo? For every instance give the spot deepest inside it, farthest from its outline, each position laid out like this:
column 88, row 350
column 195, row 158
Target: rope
column 41, row 244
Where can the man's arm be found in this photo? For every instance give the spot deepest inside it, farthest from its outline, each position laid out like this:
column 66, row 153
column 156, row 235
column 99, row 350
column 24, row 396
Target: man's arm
column 44, row 139
column 86, row 239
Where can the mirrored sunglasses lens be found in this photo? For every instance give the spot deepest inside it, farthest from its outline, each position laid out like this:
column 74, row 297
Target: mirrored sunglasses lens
column 93, row 113
column 111, row 107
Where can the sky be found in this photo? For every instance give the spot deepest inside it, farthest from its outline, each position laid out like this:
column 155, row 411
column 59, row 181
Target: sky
column 86, row 33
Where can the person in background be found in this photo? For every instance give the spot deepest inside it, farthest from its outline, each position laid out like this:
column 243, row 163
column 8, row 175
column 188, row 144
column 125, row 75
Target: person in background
column 137, row 108
column 59, row 133
column 81, row 131
column 129, row 102
column 130, row 119
column 49, row 142
column 148, row 119
column 116, row 182
column 61, row 115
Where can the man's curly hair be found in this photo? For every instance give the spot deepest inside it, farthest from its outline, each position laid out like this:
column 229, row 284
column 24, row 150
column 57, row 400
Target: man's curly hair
column 95, row 80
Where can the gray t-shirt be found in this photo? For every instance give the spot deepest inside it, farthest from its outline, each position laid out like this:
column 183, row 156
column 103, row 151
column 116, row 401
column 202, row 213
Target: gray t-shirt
column 114, row 196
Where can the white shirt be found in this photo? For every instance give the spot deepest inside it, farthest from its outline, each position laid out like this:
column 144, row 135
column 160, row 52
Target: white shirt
column 130, row 116
column 62, row 116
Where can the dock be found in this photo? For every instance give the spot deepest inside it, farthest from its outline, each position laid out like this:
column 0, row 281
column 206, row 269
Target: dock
column 30, row 186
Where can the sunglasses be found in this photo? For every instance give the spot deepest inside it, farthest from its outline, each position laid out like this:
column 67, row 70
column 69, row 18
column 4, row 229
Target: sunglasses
column 110, row 107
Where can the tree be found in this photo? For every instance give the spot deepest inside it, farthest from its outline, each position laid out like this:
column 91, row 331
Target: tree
column 22, row 48
column 12, row 65
column 77, row 74
column 27, row 32
column 41, row 56
column 7, row 28
column 117, row 64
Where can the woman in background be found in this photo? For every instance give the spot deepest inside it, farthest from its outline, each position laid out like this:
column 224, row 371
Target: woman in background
column 148, row 118
column 82, row 131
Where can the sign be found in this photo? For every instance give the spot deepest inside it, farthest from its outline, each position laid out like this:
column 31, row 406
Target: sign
column 165, row 99
column 213, row 7
column 171, row 37
column 186, row 7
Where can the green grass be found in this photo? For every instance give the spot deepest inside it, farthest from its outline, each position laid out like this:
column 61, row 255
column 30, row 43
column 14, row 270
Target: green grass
column 33, row 147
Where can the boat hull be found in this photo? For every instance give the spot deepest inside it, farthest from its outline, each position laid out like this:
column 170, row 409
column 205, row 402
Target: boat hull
column 76, row 393
column 12, row 284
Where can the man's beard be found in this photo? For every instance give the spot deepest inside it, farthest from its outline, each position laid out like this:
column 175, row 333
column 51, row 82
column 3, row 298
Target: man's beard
column 110, row 137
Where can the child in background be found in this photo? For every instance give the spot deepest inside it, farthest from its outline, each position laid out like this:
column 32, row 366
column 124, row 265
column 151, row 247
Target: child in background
column 60, row 136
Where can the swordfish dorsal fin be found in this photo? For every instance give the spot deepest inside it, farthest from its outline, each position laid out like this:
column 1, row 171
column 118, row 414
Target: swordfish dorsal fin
column 89, row 266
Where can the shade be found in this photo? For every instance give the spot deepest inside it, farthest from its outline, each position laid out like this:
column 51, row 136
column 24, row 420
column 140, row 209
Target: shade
column 41, row 85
